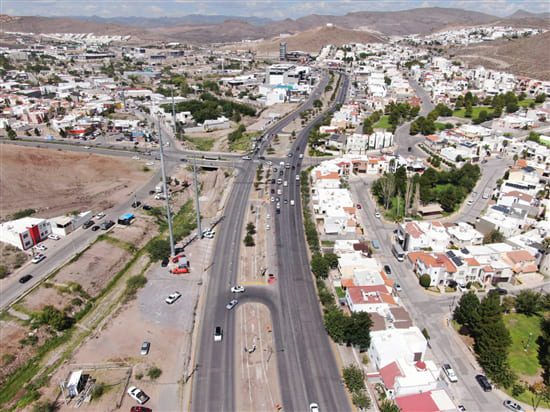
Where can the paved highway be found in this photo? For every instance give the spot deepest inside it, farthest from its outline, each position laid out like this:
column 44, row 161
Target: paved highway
column 213, row 388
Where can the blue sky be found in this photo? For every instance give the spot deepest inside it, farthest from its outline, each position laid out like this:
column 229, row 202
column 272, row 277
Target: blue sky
column 275, row 9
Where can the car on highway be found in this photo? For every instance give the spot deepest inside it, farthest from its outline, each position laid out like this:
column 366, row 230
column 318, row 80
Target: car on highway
column 292, row 203
column 25, row 279
column 484, row 383
column 218, row 334
column 88, row 224
column 172, row 297
column 246, row 158
column 297, row 178
column 145, row 346
column 285, row 201
column 138, row 395
column 513, row 406
column 231, row 304
column 290, row 155
column 268, row 216
column 237, row 289
column 301, row 156
column 285, row 183
column 451, row 375
column 267, row 227
column 313, row 407
column 53, row 236
column 387, row 269
column 272, row 198
column 38, row 258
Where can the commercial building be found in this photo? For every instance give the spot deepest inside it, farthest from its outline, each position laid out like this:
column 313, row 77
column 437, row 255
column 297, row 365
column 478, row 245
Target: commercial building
column 26, row 232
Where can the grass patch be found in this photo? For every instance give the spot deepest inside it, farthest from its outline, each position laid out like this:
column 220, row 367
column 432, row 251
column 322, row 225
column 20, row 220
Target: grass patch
column 204, row 144
column 526, row 102
column 397, row 209
column 327, row 243
column 243, row 143
column 119, row 243
column 523, row 361
column 185, row 221
column 475, row 111
column 383, row 123
column 340, row 292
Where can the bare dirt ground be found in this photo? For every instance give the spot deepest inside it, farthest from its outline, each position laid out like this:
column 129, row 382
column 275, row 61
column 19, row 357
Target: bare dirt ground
column 256, row 360
column 12, row 353
column 54, row 182
column 11, row 257
column 138, row 233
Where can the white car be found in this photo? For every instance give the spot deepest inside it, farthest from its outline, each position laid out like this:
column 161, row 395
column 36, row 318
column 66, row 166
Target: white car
column 285, row 183
column 41, row 247
column 138, row 395
column 247, row 158
column 298, row 177
column 218, row 334
column 513, row 406
column 135, row 157
column 449, row 372
column 313, row 407
column 172, row 297
column 237, row 289
column 231, row 304
column 38, row 258
column 53, row 236
column 267, row 227
column 470, row 202
column 301, row 156
column 485, row 196
column 268, row 216
column 100, row 216
column 292, row 203
column 377, row 214
column 272, row 199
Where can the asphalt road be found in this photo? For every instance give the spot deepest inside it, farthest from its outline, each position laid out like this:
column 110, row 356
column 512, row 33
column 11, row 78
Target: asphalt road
column 428, row 311
column 213, row 388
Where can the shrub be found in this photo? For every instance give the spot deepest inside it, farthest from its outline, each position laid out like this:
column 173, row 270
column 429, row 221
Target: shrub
column 55, row 318
column 7, row 358
column 158, row 249
column 353, row 378
column 139, row 376
column 361, row 400
column 98, row 391
column 249, row 240
column 44, row 406
column 134, row 283
column 3, row 271
column 425, row 280
column 154, row 372
column 23, row 213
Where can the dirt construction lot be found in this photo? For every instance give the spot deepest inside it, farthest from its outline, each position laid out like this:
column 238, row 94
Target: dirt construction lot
column 55, row 182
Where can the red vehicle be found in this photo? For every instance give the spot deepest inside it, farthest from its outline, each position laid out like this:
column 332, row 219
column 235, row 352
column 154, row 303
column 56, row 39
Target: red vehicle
column 140, row 409
column 176, row 258
column 179, row 271
column 358, row 206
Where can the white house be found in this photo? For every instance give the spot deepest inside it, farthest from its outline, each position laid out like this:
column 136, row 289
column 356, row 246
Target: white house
column 26, row 232
column 388, row 345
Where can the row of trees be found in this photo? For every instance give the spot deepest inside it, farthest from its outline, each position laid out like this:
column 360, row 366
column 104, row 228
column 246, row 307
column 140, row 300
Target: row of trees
column 355, row 382
column 483, row 321
column 426, row 125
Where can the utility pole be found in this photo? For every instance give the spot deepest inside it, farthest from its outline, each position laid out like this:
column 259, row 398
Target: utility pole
column 174, row 113
column 197, row 206
column 165, row 191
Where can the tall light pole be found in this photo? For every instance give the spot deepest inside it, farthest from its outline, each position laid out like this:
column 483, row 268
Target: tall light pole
column 165, row 191
column 174, row 114
column 197, row 205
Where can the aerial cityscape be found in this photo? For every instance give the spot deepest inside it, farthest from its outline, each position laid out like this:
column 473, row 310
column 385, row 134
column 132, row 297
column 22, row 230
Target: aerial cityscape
column 275, row 206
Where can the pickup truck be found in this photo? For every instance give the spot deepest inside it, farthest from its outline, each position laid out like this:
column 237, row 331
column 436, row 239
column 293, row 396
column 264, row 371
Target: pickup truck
column 138, row 395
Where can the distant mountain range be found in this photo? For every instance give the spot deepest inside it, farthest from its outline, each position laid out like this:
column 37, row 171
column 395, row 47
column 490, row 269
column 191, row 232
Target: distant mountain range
column 206, row 29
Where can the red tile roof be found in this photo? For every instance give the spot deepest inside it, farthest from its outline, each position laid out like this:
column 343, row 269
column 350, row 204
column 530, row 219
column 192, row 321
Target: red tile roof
column 389, row 373
column 518, row 256
column 421, row 402
column 413, row 230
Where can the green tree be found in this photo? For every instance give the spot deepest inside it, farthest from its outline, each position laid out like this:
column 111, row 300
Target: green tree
column 358, row 330
column 44, row 406
column 425, row 280
column 528, row 302
column 249, row 240
column 544, row 350
column 495, row 236
column 361, row 399
column 336, row 324
column 158, row 249
column 317, row 103
column 250, row 228
column 154, row 372
column 3, row 271
column 467, row 311
column 388, row 406
column 332, row 260
column 54, row 318
column 319, row 266
column 540, row 98
column 353, row 378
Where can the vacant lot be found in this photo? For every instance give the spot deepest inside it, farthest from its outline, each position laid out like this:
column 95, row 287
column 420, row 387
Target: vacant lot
column 11, row 258
column 54, row 182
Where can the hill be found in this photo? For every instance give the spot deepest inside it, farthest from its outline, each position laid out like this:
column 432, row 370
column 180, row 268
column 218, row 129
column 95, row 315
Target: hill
column 525, row 57
column 314, row 39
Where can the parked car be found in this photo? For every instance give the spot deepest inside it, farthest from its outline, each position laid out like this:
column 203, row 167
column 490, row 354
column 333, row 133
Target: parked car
column 107, row 225
column 513, row 406
column 146, row 207
column 172, row 297
column 461, row 408
column 449, row 372
column 100, row 216
column 88, row 224
column 359, row 206
column 41, row 247
column 136, row 204
column 140, row 409
column 484, row 383
column 165, row 262
column 231, row 304
column 95, row 228
column 377, row 214
column 397, row 287
column 53, row 236
column 25, row 279
column 138, row 395
column 375, row 244
column 237, row 289
column 387, row 269
column 145, row 346
column 218, row 334
column 38, row 258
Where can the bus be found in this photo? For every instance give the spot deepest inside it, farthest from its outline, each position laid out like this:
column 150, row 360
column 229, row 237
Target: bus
column 398, row 252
